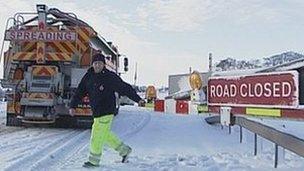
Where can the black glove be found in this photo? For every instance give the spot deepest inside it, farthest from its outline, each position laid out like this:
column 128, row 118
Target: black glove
column 141, row 103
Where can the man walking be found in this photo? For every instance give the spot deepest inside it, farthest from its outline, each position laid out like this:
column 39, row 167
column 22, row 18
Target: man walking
column 101, row 84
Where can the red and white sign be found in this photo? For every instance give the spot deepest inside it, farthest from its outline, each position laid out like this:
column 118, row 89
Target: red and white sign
column 278, row 89
column 46, row 36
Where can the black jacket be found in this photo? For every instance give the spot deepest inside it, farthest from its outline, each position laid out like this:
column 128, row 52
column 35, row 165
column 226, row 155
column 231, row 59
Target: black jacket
column 101, row 88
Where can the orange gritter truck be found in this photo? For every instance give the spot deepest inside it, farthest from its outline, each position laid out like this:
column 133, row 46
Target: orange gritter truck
column 46, row 54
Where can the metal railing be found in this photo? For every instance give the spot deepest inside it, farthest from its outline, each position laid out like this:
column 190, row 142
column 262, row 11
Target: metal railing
column 279, row 138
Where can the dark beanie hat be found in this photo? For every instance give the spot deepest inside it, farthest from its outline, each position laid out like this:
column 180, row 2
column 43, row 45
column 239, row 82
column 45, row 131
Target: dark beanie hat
column 98, row 57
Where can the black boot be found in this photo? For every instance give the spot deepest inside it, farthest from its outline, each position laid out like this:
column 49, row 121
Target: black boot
column 125, row 158
column 89, row 165
column 125, row 154
column 124, row 151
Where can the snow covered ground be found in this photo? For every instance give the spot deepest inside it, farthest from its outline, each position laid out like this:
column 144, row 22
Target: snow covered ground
column 159, row 141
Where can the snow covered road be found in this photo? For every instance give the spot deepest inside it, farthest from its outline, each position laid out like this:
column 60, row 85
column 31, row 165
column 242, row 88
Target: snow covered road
column 159, row 142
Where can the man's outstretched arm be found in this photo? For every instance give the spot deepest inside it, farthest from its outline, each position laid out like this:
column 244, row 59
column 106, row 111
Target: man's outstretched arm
column 126, row 89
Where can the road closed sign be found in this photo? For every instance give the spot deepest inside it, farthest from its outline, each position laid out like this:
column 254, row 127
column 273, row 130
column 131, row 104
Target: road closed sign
column 277, row 89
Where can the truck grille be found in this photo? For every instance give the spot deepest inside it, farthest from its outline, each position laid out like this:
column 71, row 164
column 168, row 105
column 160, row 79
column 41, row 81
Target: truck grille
column 41, row 85
column 42, row 78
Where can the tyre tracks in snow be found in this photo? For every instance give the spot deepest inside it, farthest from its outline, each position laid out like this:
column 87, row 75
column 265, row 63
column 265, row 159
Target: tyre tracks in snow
column 69, row 158
column 28, row 140
column 4, row 130
column 75, row 162
column 62, row 148
column 58, row 157
column 144, row 122
column 128, row 134
column 42, row 151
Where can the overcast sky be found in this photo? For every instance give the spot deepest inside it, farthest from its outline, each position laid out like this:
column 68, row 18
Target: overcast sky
column 167, row 37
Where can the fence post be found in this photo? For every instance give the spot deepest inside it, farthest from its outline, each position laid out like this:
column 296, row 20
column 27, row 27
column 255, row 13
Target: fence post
column 241, row 134
column 229, row 128
column 255, row 144
column 276, row 156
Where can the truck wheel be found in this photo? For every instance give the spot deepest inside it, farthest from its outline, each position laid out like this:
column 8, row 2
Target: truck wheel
column 12, row 120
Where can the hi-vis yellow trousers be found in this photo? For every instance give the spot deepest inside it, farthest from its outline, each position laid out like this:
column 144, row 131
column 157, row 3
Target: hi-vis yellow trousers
column 101, row 134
